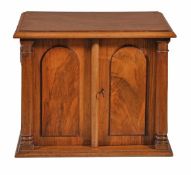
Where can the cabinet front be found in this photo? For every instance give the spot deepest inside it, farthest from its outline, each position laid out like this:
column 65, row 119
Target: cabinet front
column 62, row 83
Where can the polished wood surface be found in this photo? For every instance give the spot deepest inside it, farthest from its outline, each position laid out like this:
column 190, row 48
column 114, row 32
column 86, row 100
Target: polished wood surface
column 101, row 151
column 60, row 92
column 62, row 115
column 135, row 69
column 95, row 94
column 128, row 92
column 26, row 139
column 161, row 140
column 93, row 25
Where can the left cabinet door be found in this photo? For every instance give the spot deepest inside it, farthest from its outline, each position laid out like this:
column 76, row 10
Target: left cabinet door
column 61, row 92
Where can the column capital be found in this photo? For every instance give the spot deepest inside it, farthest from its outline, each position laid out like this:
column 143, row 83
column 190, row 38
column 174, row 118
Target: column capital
column 26, row 49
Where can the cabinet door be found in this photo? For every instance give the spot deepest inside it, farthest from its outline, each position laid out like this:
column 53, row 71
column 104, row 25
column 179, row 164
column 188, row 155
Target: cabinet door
column 62, row 83
column 124, row 113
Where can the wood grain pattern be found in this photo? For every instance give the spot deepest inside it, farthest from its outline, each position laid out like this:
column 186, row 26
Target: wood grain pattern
column 93, row 21
column 93, row 25
column 94, row 84
column 81, row 48
column 108, row 48
column 60, row 93
column 128, row 92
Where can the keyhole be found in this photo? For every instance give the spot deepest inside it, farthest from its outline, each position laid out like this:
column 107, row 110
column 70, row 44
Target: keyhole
column 100, row 92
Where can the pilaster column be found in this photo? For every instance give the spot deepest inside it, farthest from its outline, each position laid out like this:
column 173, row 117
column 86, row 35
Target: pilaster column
column 161, row 140
column 26, row 136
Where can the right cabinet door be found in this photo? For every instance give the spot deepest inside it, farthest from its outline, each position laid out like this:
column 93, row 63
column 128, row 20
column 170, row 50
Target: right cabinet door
column 126, row 109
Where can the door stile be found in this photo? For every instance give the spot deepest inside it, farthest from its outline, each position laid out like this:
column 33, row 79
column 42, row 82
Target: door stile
column 94, row 92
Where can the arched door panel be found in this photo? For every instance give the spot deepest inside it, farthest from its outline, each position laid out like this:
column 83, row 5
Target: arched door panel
column 127, row 92
column 60, row 93
column 123, row 110
column 62, row 90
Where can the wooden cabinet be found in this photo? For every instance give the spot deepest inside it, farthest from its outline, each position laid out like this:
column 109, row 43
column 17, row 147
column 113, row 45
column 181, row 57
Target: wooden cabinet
column 94, row 84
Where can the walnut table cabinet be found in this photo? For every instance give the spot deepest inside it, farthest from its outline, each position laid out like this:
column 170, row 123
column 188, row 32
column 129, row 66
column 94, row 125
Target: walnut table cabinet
column 94, row 84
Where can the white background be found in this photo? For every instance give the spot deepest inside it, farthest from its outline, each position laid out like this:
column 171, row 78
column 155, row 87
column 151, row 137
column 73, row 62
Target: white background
column 178, row 14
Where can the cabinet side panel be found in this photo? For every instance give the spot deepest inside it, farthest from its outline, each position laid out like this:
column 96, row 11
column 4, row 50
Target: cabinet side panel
column 127, row 92
column 60, row 93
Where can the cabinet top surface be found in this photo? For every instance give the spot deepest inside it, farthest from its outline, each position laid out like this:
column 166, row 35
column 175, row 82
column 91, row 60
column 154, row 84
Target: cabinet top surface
column 93, row 25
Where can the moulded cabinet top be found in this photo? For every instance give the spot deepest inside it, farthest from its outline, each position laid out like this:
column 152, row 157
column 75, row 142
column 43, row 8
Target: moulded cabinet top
column 93, row 25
